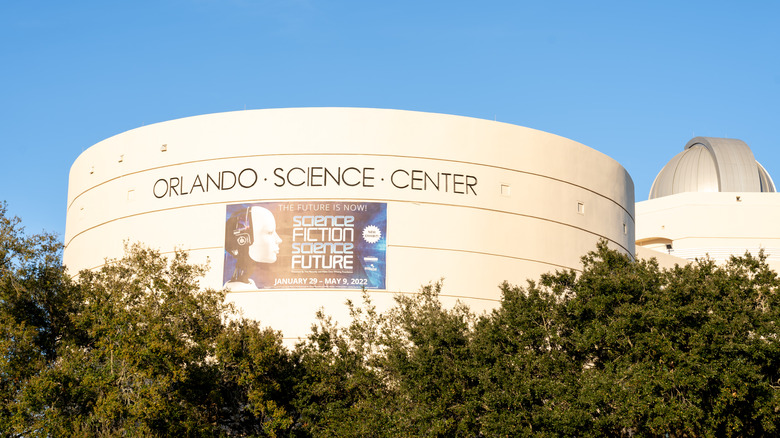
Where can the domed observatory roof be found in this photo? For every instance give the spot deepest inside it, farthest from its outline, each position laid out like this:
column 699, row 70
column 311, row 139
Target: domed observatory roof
column 710, row 164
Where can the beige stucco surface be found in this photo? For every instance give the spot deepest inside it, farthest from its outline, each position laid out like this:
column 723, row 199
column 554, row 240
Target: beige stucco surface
column 539, row 203
column 718, row 225
column 662, row 256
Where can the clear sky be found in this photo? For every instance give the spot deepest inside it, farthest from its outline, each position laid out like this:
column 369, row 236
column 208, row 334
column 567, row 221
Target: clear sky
column 633, row 79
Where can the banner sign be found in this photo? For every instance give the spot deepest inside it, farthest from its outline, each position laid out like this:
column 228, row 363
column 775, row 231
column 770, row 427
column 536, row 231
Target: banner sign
column 305, row 244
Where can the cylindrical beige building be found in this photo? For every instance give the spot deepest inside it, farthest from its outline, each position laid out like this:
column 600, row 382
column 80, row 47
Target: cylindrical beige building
column 299, row 209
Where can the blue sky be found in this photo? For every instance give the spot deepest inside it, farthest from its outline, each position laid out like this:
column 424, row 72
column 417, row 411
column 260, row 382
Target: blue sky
column 634, row 80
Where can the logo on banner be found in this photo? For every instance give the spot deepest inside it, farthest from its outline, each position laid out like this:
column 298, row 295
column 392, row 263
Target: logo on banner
column 372, row 234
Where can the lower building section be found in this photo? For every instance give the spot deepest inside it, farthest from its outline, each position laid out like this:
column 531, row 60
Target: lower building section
column 717, row 225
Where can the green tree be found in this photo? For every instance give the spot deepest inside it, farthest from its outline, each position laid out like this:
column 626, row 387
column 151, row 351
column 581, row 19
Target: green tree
column 136, row 348
column 691, row 351
column 37, row 304
column 528, row 379
column 143, row 367
column 339, row 388
column 429, row 361
column 256, row 380
column 622, row 348
column 403, row 373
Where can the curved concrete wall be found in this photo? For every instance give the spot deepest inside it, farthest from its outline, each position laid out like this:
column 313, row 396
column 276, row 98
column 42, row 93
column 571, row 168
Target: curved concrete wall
column 511, row 202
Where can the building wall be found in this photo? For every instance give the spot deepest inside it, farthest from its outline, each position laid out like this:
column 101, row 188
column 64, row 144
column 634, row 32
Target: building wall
column 528, row 202
column 718, row 225
column 661, row 255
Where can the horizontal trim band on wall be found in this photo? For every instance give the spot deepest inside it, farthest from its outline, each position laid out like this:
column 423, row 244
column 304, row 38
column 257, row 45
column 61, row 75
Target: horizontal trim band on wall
column 426, row 248
column 754, row 238
column 360, row 291
column 492, row 166
column 347, row 200
column 383, row 291
column 723, row 253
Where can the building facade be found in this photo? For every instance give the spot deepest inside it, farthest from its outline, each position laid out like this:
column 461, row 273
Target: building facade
column 300, row 209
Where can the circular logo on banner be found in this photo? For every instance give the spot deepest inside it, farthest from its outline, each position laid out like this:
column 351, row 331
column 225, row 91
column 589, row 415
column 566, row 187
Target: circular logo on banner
column 371, row 234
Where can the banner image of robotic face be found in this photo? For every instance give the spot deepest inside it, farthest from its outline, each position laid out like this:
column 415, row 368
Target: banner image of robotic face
column 305, row 244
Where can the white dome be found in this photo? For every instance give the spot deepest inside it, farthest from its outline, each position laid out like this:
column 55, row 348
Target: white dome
column 712, row 165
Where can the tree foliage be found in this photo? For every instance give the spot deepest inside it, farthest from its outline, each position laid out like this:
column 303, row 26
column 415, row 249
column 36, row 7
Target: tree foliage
column 37, row 307
column 134, row 349
column 622, row 348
